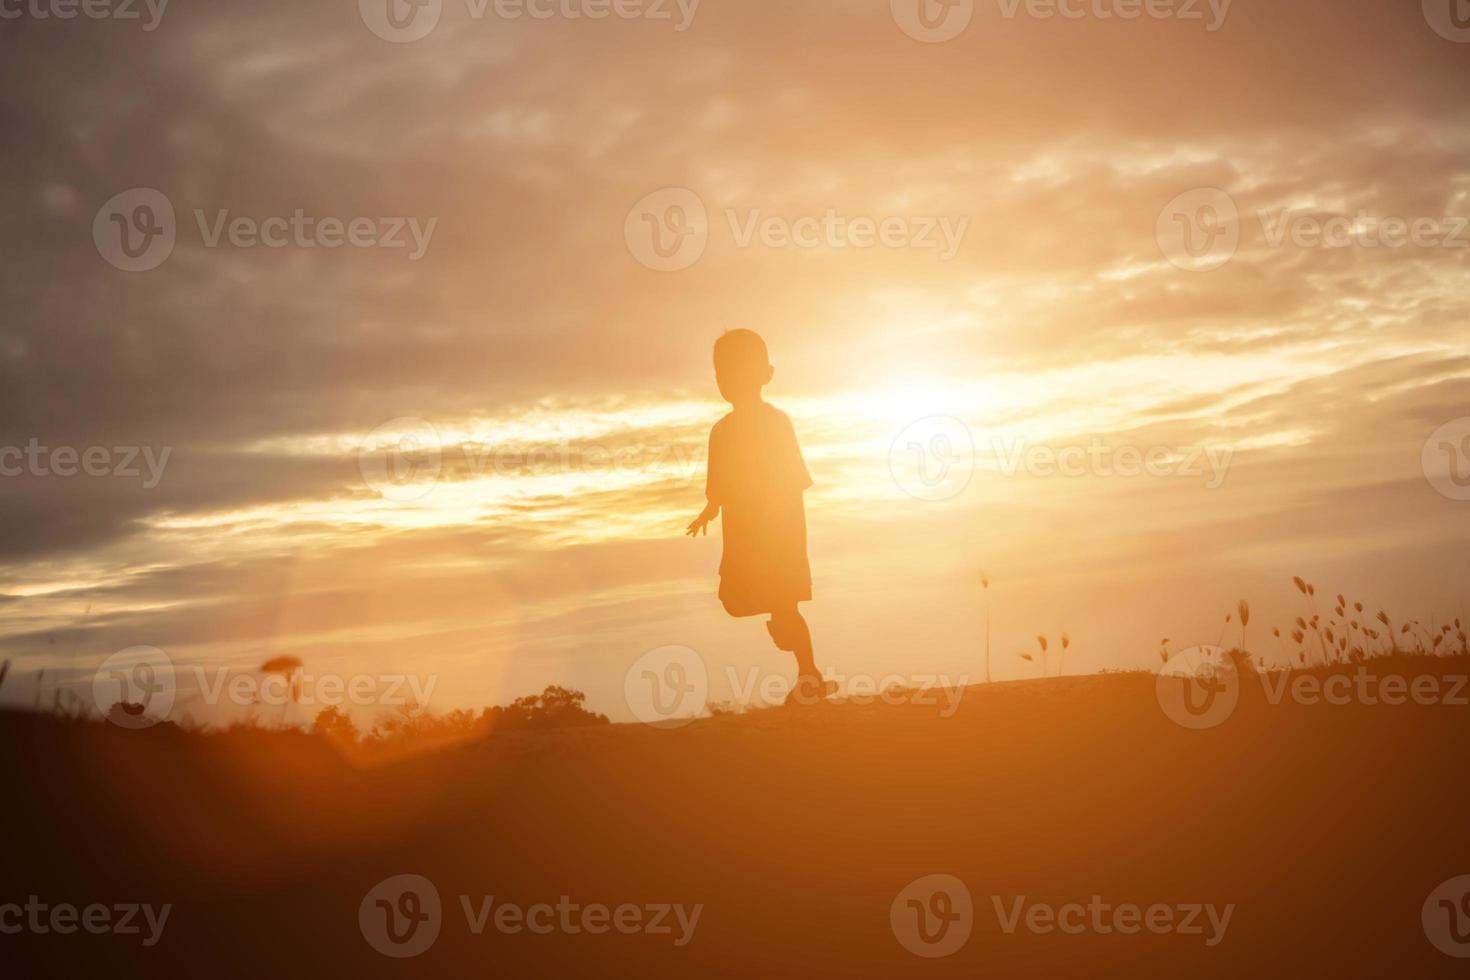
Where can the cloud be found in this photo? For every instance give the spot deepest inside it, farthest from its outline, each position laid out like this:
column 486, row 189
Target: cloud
column 1059, row 319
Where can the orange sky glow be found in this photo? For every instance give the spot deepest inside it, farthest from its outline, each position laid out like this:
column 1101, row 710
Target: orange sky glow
column 1123, row 444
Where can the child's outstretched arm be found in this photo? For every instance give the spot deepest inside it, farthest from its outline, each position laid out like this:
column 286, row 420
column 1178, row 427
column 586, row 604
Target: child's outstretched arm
column 713, row 487
column 701, row 523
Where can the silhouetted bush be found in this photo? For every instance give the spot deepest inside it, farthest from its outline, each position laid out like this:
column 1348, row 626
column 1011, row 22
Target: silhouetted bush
column 555, row 707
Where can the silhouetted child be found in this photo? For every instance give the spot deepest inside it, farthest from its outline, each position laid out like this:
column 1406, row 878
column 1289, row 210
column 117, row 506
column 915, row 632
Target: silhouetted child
column 756, row 479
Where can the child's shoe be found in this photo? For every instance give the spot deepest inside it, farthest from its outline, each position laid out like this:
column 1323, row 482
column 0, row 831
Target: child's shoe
column 810, row 690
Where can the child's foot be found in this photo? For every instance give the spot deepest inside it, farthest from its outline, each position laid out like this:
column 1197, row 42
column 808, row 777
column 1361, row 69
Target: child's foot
column 810, row 690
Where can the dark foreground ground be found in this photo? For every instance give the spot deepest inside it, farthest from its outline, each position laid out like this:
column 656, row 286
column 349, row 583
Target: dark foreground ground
column 1326, row 826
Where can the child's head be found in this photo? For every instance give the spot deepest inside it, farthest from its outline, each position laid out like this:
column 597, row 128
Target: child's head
column 742, row 366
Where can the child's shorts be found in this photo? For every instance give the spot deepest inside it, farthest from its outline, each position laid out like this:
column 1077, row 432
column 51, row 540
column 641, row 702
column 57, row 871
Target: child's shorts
column 756, row 594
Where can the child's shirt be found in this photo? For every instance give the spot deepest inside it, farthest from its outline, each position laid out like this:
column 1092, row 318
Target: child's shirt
column 757, row 476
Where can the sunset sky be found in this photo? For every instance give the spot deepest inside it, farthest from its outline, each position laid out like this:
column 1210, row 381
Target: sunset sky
column 1287, row 395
